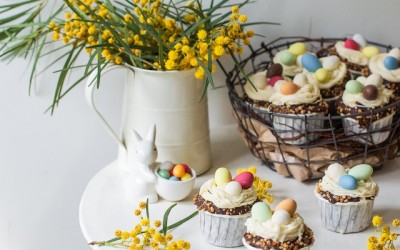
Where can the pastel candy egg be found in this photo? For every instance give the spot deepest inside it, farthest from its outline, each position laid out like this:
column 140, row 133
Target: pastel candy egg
column 167, row 165
column 361, row 172
column 390, row 63
column 274, row 70
column 351, row 44
column 322, row 75
column 370, row 92
column 289, row 205
column 178, row 171
column 164, row 174
column 278, row 85
column 233, row 188
column 330, row 62
column 289, row 88
column 353, row 87
column 395, row 53
column 173, row 178
column 186, row 177
column 370, row 51
column 360, row 40
column 287, row 58
column 274, row 79
column 300, row 80
column 261, row 211
column 280, row 217
column 298, row 48
column 310, row 62
column 245, row 179
column 348, row 182
column 374, row 79
column 222, row 176
column 335, row 171
column 298, row 60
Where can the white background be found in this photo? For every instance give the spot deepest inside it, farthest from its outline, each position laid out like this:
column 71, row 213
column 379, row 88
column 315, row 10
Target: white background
column 46, row 161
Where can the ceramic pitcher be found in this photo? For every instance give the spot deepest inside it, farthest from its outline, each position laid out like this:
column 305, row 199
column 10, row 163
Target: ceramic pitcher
column 169, row 99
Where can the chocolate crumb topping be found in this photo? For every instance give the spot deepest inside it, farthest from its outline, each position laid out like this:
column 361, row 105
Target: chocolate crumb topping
column 300, row 109
column 338, row 198
column 336, row 90
column 208, row 206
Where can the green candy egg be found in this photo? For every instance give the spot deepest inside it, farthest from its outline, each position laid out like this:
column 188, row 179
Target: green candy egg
column 298, row 49
column 287, row 58
column 261, row 212
column 354, row 87
column 222, row 176
column 361, row 172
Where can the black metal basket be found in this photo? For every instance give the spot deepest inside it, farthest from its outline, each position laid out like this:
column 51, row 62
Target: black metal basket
column 303, row 146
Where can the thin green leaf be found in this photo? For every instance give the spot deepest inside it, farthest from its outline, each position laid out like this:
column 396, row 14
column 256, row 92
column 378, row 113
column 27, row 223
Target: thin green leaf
column 177, row 224
column 165, row 219
column 35, row 62
column 147, row 209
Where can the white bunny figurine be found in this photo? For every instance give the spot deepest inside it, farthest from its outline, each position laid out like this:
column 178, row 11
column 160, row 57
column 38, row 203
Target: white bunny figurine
column 140, row 183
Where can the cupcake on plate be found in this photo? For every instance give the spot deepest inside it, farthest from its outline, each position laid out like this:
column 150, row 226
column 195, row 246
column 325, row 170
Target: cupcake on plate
column 224, row 204
column 346, row 198
column 282, row 228
column 297, row 110
column 387, row 65
column 290, row 59
column 368, row 96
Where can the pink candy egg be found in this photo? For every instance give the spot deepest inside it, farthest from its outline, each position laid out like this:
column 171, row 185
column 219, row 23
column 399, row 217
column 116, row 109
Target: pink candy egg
column 351, row 44
column 245, row 179
column 274, row 79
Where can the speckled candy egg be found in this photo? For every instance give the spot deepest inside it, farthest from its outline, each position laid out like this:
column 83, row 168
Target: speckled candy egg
column 164, row 174
column 289, row 88
column 245, row 179
column 222, row 176
column 287, row 58
column 335, row 171
column 233, row 188
column 370, row 51
column 298, row 48
column 322, row 75
column 167, row 165
column 289, row 205
column 330, row 62
column 361, row 172
column 261, row 212
column 354, row 87
column 186, row 177
column 280, row 217
column 348, row 182
column 370, row 92
column 390, row 63
column 310, row 62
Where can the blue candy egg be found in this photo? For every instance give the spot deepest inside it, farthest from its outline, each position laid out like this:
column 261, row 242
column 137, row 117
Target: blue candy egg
column 348, row 182
column 173, row 178
column 310, row 62
column 390, row 63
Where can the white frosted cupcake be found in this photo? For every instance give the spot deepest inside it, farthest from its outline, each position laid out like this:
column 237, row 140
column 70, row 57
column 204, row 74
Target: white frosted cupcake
column 367, row 95
column 290, row 59
column 282, row 228
column 224, row 204
column 346, row 198
column 387, row 65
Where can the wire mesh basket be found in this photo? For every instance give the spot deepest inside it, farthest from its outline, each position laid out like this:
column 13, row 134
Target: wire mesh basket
column 303, row 146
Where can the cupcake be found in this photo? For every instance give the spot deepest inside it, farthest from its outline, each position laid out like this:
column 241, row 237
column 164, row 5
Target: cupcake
column 387, row 65
column 367, row 95
column 224, row 205
column 297, row 111
column 355, row 52
column 346, row 198
column 282, row 228
column 290, row 59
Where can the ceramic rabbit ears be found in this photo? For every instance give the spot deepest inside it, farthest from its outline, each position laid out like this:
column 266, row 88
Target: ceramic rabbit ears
column 151, row 135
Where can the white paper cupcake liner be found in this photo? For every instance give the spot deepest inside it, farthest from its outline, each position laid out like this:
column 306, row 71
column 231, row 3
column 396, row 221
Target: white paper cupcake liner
column 254, row 248
column 351, row 127
column 223, row 230
column 263, row 113
column 351, row 217
column 293, row 130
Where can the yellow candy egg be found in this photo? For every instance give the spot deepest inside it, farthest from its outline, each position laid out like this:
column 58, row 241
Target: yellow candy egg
column 222, row 176
column 298, row 49
column 370, row 51
column 322, row 75
column 288, row 205
column 186, row 177
column 289, row 88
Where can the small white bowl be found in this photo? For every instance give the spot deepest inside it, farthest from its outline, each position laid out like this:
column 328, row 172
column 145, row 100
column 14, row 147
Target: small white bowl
column 174, row 190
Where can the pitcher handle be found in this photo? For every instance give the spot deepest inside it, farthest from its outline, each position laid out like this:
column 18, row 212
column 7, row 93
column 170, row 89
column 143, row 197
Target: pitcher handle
column 90, row 87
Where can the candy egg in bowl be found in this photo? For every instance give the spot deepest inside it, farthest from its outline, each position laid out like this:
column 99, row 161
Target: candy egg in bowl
column 174, row 181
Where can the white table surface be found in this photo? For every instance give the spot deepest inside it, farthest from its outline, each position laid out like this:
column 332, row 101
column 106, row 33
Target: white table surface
column 104, row 208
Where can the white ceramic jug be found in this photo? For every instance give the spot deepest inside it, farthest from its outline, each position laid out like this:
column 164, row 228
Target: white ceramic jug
column 169, row 99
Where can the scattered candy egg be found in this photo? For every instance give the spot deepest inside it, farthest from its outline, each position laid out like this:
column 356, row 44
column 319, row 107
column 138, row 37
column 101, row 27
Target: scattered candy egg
column 245, row 179
column 186, row 177
column 360, row 40
column 274, row 70
column 374, row 79
column 370, row 92
column 289, row 88
column 322, row 75
column 261, row 211
column 361, row 171
column 335, row 171
column 310, row 62
column 370, row 51
column 330, row 62
column 287, row 58
column 298, row 48
column 354, row 87
column 274, row 79
column 173, row 178
column 179, row 171
column 288, row 205
column 348, row 182
column 351, row 44
column 164, row 174
column 233, row 188
column 167, row 165
column 222, row 176
column 390, row 63
column 280, row 217
column 300, row 80
column 395, row 53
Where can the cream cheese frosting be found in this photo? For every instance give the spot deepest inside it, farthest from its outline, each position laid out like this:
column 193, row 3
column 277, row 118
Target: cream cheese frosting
column 353, row 56
column 336, row 75
column 217, row 195
column 376, row 66
column 264, row 91
column 268, row 230
column 307, row 94
column 289, row 70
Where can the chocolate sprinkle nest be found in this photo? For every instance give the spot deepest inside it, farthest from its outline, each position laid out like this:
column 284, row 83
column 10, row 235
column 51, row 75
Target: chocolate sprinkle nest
column 256, row 241
column 300, row 109
column 336, row 198
column 208, row 206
